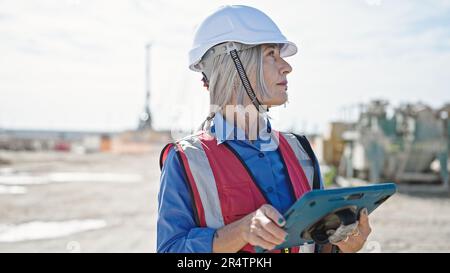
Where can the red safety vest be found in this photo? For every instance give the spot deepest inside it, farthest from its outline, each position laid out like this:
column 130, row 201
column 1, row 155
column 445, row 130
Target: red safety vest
column 222, row 187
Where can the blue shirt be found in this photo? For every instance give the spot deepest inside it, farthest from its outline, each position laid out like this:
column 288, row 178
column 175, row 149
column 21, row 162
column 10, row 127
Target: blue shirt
column 176, row 227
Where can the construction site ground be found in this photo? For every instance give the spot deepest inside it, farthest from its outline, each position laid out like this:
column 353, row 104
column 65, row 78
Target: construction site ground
column 64, row 211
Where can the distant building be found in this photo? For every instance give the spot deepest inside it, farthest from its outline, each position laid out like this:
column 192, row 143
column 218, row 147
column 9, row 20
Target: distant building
column 35, row 140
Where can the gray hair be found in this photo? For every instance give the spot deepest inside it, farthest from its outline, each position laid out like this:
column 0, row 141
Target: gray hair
column 224, row 79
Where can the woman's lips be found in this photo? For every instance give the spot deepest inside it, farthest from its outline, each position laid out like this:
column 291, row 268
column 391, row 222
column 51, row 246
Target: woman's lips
column 283, row 83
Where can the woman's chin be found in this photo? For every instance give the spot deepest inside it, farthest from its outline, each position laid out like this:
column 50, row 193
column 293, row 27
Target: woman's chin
column 280, row 100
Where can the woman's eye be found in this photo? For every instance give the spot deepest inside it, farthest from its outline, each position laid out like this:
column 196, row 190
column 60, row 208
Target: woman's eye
column 271, row 53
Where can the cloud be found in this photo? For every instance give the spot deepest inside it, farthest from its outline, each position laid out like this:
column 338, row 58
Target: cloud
column 80, row 64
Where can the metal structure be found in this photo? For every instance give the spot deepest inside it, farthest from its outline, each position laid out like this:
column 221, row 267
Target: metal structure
column 145, row 118
column 405, row 146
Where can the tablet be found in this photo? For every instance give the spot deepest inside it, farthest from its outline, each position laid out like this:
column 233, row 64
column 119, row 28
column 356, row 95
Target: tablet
column 312, row 207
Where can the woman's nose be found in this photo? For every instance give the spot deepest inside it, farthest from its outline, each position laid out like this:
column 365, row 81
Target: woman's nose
column 286, row 68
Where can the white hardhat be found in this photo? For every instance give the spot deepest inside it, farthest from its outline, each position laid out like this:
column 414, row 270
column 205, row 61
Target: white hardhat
column 242, row 24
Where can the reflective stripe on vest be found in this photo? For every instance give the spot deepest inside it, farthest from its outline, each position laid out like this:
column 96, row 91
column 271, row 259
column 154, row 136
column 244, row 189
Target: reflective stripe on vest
column 205, row 182
column 222, row 196
column 302, row 156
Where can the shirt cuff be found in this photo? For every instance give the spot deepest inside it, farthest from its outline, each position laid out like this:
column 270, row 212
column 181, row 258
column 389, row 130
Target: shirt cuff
column 200, row 240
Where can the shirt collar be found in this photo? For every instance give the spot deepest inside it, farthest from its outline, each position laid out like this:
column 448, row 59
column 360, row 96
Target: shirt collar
column 223, row 130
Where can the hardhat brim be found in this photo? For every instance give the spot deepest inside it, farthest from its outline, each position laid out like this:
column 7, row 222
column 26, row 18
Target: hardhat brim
column 289, row 49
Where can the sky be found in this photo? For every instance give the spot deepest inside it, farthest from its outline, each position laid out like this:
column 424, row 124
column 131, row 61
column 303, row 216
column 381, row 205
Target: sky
column 80, row 65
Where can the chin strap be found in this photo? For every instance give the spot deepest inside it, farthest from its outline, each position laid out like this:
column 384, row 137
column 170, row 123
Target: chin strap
column 244, row 79
column 232, row 49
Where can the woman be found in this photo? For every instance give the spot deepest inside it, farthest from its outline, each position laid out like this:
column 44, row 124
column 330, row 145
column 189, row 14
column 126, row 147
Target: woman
column 225, row 189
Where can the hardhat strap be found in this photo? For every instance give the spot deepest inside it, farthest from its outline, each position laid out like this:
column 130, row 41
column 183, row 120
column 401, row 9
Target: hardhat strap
column 247, row 86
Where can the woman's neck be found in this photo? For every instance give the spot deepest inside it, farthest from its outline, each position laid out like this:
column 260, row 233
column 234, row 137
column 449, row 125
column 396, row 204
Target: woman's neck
column 248, row 119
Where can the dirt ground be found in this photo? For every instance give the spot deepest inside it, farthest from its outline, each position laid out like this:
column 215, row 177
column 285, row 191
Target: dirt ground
column 405, row 223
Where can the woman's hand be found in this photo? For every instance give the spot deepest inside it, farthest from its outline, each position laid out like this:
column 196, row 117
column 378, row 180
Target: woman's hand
column 355, row 241
column 263, row 228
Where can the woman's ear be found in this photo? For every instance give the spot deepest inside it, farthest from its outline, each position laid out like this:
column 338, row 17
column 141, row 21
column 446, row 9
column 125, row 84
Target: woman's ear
column 205, row 82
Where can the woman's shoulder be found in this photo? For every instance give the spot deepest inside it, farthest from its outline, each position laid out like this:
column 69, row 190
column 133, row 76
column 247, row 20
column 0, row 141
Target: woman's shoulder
column 167, row 155
column 168, row 152
column 197, row 136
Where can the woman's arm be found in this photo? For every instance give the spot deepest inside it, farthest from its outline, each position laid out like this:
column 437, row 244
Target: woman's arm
column 229, row 238
column 177, row 230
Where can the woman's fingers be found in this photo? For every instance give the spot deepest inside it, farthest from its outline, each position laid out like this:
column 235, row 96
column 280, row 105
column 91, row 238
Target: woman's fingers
column 273, row 215
column 356, row 240
column 268, row 224
column 262, row 231
column 275, row 231
column 269, row 237
column 352, row 244
column 364, row 225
